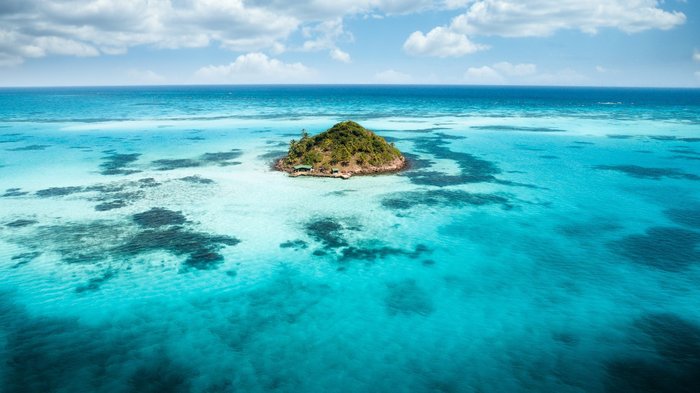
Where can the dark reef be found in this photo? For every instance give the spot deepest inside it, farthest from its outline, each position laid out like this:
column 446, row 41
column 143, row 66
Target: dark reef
column 47, row 354
column 95, row 283
column 20, row 223
column 327, row 231
column 516, row 128
column 407, row 298
column 667, row 248
column 332, row 234
column 111, row 205
column 117, row 163
column 295, row 244
column 443, row 198
column 24, row 258
column 29, row 148
column 648, row 173
column 668, row 360
column 171, row 164
column 157, row 229
column 472, row 169
column 372, row 254
column 157, row 217
column 14, row 192
column 58, row 191
column 196, row 179
column 207, row 159
column 689, row 216
column 200, row 249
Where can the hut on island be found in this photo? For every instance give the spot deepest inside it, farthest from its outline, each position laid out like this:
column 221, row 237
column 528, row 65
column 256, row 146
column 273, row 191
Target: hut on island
column 303, row 168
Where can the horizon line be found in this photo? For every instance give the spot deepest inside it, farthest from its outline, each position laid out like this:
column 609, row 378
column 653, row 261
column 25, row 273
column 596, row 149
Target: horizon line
column 345, row 85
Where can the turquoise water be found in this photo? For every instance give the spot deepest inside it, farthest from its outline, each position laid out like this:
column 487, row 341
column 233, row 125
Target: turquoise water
column 544, row 240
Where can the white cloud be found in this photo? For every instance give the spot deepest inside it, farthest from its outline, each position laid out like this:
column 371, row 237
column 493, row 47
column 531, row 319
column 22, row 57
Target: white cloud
column 565, row 77
column 515, row 69
column 62, row 46
column 601, row 69
column 538, row 18
column 324, row 36
column 325, row 9
column 7, row 60
column 454, row 4
column 145, row 76
column 404, row 6
column 32, row 28
column 483, row 75
column 31, row 47
column 696, row 55
column 392, row 77
column 277, row 48
column 519, row 74
column 440, row 42
column 339, row 55
column 255, row 68
column 500, row 73
column 38, row 28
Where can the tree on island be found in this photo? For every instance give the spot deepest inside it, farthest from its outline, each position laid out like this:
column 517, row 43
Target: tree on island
column 346, row 148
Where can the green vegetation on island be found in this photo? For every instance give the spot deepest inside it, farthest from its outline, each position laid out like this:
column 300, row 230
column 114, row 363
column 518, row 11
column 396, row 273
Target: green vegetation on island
column 345, row 149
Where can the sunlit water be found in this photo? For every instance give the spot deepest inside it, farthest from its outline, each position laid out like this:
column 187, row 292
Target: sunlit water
column 544, row 240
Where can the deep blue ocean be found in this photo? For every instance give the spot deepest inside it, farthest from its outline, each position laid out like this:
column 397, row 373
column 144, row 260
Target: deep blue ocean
column 543, row 240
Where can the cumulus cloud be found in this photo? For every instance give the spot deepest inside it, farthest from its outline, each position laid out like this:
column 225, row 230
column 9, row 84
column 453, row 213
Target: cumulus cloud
column 523, row 73
column 324, row 36
column 696, row 55
column 37, row 28
column 483, row 75
column 62, row 46
column 453, row 4
column 92, row 27
column 15, row 47
column 501, row 73
column 145, row 76
column 8, row 60
column 253, row 68
column 440, row 42
column 339, row 55
column 515, row 69
column 538, row 18
column 565, row 77
column 391, row 76
column 324, row 9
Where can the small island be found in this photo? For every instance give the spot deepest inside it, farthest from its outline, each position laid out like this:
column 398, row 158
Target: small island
column 344, row 150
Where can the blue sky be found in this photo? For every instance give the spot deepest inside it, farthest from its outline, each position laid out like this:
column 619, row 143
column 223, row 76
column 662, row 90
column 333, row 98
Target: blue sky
column 509, row 42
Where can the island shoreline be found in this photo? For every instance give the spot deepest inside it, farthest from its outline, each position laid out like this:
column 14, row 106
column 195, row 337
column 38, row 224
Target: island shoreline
column 398, row 165
column 346, row 149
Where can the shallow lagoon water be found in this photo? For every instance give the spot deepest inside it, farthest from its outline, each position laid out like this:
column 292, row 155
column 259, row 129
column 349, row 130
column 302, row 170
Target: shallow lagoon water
column 544, row 240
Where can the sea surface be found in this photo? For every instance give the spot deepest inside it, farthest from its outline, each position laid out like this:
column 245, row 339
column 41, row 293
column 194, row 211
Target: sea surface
column 543, row 240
